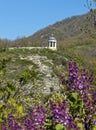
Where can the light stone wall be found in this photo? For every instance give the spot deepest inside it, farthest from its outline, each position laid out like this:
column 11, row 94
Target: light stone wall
column 29, row 48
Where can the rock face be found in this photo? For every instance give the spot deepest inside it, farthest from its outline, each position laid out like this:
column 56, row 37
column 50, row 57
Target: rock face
column 49, row 81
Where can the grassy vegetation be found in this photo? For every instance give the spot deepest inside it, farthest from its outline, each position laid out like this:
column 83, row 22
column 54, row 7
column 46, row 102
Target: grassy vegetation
column 82, row 52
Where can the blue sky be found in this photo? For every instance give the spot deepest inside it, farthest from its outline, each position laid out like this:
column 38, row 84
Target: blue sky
column 19, row 18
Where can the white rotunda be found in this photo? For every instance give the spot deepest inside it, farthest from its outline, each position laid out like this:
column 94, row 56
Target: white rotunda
column 52, row 43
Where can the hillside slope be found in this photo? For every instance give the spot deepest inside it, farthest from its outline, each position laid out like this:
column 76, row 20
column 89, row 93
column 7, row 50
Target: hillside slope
column 69, row 28
column 37, row 70
column 72, row 41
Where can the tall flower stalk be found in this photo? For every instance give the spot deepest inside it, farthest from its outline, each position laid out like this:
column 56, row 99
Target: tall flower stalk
column 80, row 82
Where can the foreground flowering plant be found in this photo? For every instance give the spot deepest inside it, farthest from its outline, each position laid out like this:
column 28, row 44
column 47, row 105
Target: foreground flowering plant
column 80, row 82
column 36, row 119
column 61, row 115
column 77, row 111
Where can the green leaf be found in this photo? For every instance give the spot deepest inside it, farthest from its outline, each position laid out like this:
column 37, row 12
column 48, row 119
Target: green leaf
column 94, row 128
column 80, row 125
column 60, row 127
column 1, row 72
column 75, row 96
column 20, row 109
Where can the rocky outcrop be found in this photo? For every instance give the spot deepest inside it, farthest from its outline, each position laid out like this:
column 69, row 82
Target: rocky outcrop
column 48, row 82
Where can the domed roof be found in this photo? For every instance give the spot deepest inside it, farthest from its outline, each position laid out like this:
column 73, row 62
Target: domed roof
column 52, row 38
